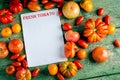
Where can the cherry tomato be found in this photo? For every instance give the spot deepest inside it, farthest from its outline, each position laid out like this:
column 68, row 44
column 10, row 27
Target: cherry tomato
column 49, row 5
column 100, row 11
column 58, row 1
column 16, row 64
column 81, row 54
column 60, row 13
column 15, row 45
column 21, row 57
column 53, row 69
column 10, row 69
column 82, row 43
column 16, row 28
column 35, row 72
column 72, row 36
column 3, row 50
column 6, row 32
column 19, row 68
column 44, row 1
column 117, row 43
column 111, row 29
column 107, row 19
column 67, row 26
column 60, row 76
column 24, row 63
column 79, row 20
column 14, row 56
column 78, row 64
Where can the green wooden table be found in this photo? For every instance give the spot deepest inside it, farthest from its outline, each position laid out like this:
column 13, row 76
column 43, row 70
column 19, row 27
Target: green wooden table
column 109, row 70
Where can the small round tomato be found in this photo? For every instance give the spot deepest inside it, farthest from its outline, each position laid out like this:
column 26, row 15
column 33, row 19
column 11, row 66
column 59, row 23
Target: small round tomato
column 3, row 50
column 6, row 32
column 117, row 43
column 53, row 69
column 10, row 69
column 72, row 36
column 67, row 26
column 111, row 29
column 100, row 11
column 100, row 54
column 78, row 64
column 15, row 45
column 81, row 54
column 16, row 28
column 21, row 57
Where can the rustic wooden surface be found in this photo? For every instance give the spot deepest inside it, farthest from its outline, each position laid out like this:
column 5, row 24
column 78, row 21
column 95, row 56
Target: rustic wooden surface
column 91, row 70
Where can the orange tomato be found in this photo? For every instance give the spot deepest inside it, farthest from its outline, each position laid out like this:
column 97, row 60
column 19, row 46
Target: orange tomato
column 6, row 32
column 81, row 54
column 111, row 29
column 16, row 28
column 53, row 69
column 10, row 70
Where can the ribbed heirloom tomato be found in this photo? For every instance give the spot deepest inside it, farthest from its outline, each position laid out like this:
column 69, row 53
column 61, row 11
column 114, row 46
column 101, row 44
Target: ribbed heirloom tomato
column 15, row 45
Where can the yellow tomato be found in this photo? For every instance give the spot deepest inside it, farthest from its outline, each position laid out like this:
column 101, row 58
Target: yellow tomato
column 53, row 69
column 111, row 29
column 6, row 32
column 81, row 54
column 16, row 28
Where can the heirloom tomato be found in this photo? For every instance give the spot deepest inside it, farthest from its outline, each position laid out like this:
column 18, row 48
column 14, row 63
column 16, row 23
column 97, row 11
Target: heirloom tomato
column 15, row 45
column 82, row 54
column 95, row 30
column 6, row 32
column 3, row 50
column 68, row 69
column 70, row 49
column 6, row 16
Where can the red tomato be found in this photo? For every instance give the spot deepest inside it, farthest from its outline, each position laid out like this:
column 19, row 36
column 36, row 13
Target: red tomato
column 21, row 57
column 117, row 43
column 60, row 13
column 78, row 64
column 49, row 5
column 24, row 63
column 3, row 50
column 6, row 16
column 16, row 64
column 35, row 72
column 58, row 1
column 67, row 26
column 19, row 68
column 100, row 11
column 82, row 43
column 44, row 1
column 10, row 69
column 72, row 36
column 15, row 6
column 34, row 0
column 107, row 19
column 14, row 56
column 79, row 20
column 15, row 45
column 60, row 76
column 59, row 5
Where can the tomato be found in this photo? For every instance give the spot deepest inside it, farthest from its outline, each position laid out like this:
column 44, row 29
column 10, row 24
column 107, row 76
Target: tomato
column 14, row 56
column 60, row 13
column 100, row 11
column 68, row 69
column 81, row 54
column 87, row 5
column 107, row 19
column 53, row 69
column 10, row 69
column 33, row 6
column 117, row 43
column 16, row 64
column 34, row 0
column 16, row 28
column 3, row 50
column 100, row 54
column 24, row 63
column 44, row 1
column 79, row 20
column 58, row 1
column 6, row 32
column 15, row 6
column 60, row 76
column 70, row 49
column 111, row 29
column 67, row 26
column 19, row 68
column 6, row 16
column 60, row 4
column 78, row 64
column 23, row 74
column 49, row 5
column 21, row 57
column 72, row 36
column 15, row 45
column 82, row 43
column 35, row 72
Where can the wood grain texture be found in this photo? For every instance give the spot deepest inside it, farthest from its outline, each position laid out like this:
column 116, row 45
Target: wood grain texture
column 91, row 69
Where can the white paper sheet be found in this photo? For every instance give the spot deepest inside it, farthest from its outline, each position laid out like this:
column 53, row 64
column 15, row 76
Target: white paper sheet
column 43, row 37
